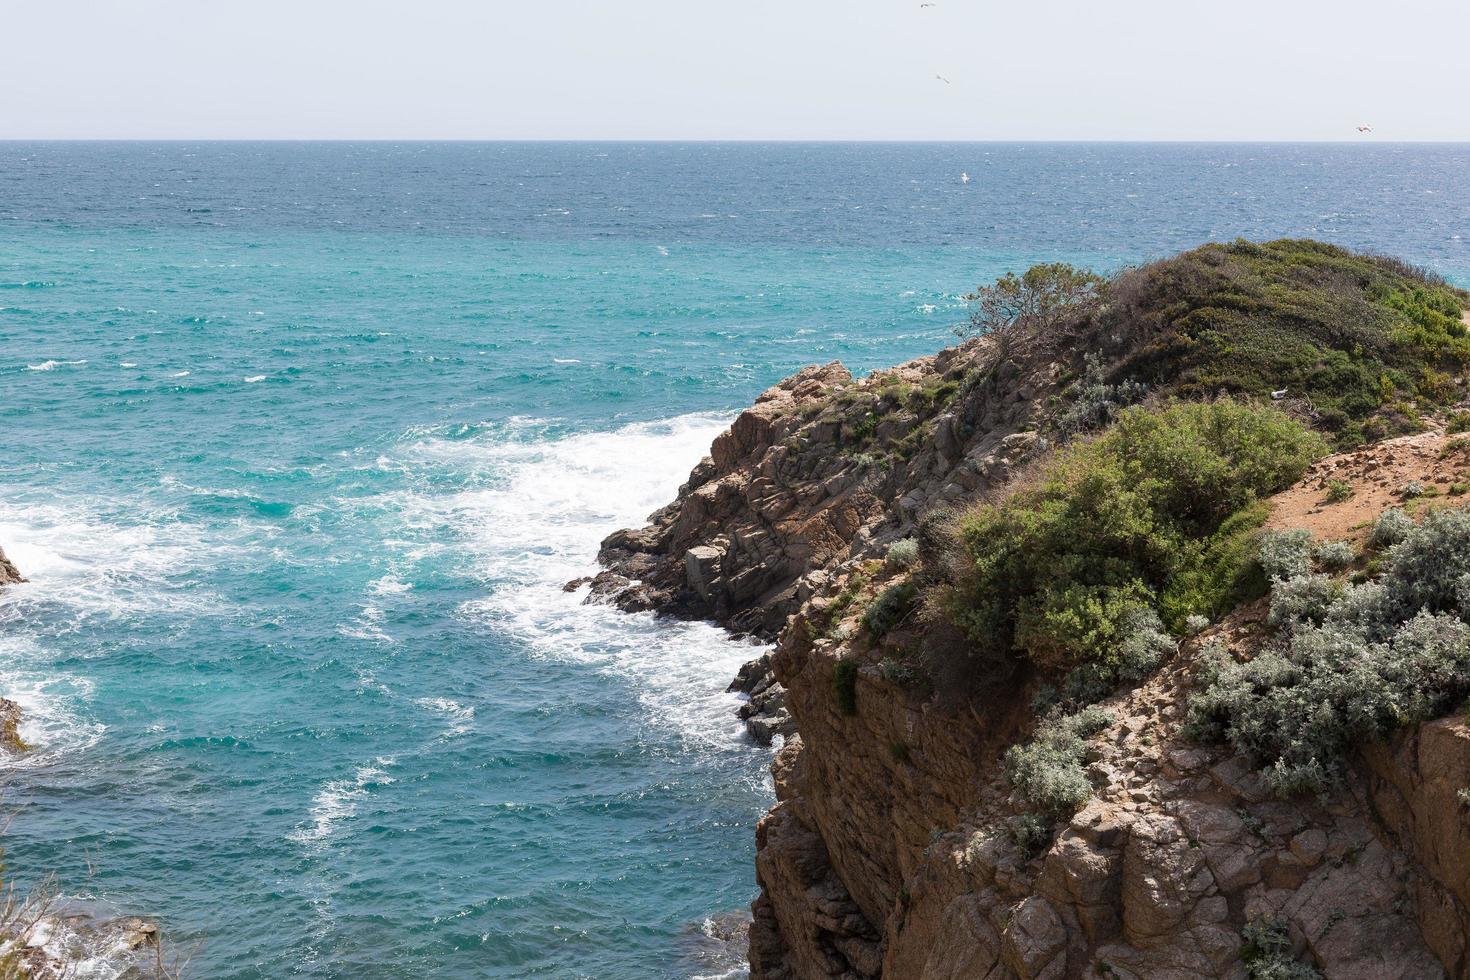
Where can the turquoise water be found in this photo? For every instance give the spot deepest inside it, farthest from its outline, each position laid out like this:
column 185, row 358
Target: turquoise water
column 301, row 441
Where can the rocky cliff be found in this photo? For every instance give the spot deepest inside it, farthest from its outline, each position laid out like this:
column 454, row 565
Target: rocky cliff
column 897, row 847
column 9, row 574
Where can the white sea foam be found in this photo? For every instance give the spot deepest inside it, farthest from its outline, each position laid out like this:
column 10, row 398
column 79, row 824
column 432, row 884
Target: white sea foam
column 91, row 949
column 337, row 801
column 86, row 561
column 461, row 717
column 367, row 624
column 538, row 525
column 53, row 365
column 179, row 374
column 388, row 585
column 254, row 378
column 128, row 364
column 97, row 557
column 54, row 720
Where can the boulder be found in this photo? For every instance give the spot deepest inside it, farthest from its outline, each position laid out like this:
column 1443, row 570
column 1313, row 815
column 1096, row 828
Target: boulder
column 10, row 717
column 9, row 574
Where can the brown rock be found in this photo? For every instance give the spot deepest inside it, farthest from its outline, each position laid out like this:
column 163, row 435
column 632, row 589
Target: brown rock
column 10, row 718
column 9, row 574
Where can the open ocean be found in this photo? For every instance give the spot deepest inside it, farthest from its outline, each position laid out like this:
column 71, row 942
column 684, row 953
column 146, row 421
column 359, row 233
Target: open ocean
column 300, row 441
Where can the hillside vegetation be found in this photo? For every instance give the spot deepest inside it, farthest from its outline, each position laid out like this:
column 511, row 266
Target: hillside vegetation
column 1248, row 360
column 1365, row 342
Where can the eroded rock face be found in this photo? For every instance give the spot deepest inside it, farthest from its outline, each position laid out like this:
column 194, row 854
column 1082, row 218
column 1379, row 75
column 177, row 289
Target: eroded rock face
column 810, row 475
column 9, row 574
column 889, row 852
column 1155, row 877
column 10, row 718
column 1417, row 785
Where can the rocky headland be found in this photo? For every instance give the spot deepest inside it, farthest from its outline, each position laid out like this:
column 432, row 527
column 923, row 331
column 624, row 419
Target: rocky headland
column 1123, row 639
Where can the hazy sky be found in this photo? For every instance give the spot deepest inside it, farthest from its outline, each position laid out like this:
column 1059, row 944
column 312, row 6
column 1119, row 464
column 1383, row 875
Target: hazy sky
column 741, row 69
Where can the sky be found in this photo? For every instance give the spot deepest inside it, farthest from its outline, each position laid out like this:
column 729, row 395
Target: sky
column 740, row 69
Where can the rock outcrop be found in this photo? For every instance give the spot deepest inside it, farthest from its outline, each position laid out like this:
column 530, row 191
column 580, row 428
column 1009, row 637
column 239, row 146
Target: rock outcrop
column 10, row 714
column 889, row 852
column 10, row 718
column 9, row 574
column 896, row 847
column 812, row 474
column 824, row 468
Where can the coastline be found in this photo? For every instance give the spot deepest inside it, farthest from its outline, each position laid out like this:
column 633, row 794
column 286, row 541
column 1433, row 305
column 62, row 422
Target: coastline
column 898, row 844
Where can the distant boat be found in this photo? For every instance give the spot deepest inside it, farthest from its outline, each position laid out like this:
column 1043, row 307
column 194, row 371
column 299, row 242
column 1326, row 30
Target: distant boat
column 964, row 178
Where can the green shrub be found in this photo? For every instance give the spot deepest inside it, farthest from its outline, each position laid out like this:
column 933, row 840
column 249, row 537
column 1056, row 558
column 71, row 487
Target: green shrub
column 898, row 672
column 1352, row 334
column 1142, row 645
column 1031, row 833
column 844, row 686
column 1159, row 512
column 1286, row 554
column 1226, row 573
column 1338, row 491
column 1355, row 667
column 1268, row 953
column 1047, row 771
column 1458, row 422
column 889, row 608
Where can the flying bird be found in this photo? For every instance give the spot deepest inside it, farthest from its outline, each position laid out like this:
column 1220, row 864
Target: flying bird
column 943, row 79
column 923, row 5
column 964, row 178
column 1365, row 129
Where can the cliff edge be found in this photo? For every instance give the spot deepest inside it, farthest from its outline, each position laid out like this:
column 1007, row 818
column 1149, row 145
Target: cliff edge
column 1059, row 616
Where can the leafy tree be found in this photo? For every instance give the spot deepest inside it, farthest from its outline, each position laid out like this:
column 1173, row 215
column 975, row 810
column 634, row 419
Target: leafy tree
column 1029, row 306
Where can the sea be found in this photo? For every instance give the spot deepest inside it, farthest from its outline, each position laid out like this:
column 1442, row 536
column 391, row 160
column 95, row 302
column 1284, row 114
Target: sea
column 299, row 443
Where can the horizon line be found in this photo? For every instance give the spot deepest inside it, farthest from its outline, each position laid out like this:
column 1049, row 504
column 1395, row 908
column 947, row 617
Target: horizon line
column 1348, row 141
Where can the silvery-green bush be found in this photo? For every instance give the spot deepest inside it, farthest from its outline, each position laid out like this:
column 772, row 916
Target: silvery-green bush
column 1304, row 599
column 902, row 554
column 1334, row 556
column 1286, row 554
column 1351, row 668
column 1097, row 402
column 1393, row 526
column 1047, row 771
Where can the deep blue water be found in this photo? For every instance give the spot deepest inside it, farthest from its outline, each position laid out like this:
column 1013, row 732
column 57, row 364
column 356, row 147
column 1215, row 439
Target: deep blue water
column 300, row 441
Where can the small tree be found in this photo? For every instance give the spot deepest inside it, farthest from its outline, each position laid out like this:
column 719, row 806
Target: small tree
column 1030, row 305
